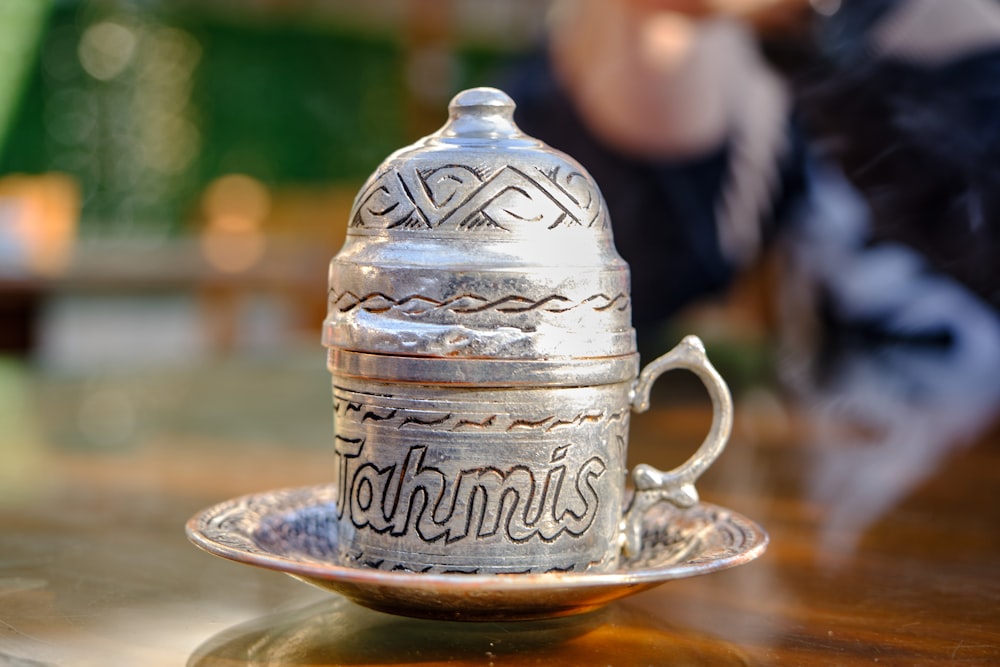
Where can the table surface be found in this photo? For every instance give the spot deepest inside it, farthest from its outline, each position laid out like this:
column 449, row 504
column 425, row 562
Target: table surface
column 879, row 497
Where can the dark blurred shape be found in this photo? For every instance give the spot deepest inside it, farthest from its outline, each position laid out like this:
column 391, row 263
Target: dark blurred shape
column 916, row 129
column 18, row 319
column 898, row 95
column 881, row 223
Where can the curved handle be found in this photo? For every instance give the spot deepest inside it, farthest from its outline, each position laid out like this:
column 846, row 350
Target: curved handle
column 676, row 486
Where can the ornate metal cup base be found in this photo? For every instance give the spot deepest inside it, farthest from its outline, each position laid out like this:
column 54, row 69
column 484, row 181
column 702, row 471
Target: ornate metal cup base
column 477, row 481
column 295, row 531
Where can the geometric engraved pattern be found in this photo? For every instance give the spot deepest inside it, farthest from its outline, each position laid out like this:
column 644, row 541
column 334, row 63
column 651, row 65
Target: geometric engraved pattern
column 460, row 197
column 415, row 305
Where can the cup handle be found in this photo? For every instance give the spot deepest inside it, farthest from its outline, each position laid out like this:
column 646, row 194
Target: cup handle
column 676, row 486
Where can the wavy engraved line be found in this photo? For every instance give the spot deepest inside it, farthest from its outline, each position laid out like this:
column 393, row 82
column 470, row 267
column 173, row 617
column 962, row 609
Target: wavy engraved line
column 354, row 301
column 335, row 300
column 571, row 568
column 549, row 423
column 360, row 559
column 425, row 422
column 399, row 567
column 538, row 304
column 468, row 423
column 350, row 405
column 621, row 296
column 579, row 419
column 425, row 299
column 527, row 423
column 528, row 304
column 371, row 415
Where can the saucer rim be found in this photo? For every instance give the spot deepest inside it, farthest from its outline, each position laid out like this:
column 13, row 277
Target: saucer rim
column 756, row 545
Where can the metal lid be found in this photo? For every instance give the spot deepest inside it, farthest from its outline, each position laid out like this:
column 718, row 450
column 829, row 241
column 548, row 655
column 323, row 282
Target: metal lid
column 479, row 242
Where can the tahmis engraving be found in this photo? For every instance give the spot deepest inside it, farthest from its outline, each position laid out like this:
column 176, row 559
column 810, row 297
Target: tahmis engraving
column 516, row 503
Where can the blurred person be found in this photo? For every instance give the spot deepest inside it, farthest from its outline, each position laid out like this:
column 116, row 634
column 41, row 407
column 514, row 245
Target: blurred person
column 871, row 157
column 674, row 112
column 880, row 141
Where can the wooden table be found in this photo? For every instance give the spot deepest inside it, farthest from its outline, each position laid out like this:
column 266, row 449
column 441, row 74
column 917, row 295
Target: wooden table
column 882, row 512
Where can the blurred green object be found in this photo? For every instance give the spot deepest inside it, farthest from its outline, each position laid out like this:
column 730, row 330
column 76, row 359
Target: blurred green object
column 145, row 102
column 22, row 23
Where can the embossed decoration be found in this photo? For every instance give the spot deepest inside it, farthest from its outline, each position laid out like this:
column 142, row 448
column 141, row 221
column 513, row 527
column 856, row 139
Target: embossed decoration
column 295, row 531
column 459, row 197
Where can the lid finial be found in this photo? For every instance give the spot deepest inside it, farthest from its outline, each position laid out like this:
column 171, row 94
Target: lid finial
column 481, row 113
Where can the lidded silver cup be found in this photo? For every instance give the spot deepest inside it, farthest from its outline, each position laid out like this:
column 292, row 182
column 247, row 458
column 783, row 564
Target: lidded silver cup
column 484, row 363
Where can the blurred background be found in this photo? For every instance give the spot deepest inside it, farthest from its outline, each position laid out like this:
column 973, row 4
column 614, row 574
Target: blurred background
column 174, row 178
column 812, row 186
column 176, row 174
column 183, row 170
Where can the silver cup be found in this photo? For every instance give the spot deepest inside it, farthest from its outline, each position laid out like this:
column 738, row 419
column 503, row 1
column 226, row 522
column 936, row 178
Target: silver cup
column 484, row 364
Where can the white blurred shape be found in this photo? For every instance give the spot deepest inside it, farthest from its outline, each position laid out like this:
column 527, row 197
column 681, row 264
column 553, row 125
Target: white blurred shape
column 106, row 49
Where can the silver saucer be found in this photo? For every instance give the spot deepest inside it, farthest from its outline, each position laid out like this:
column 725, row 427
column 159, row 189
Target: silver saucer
column 294, row 531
